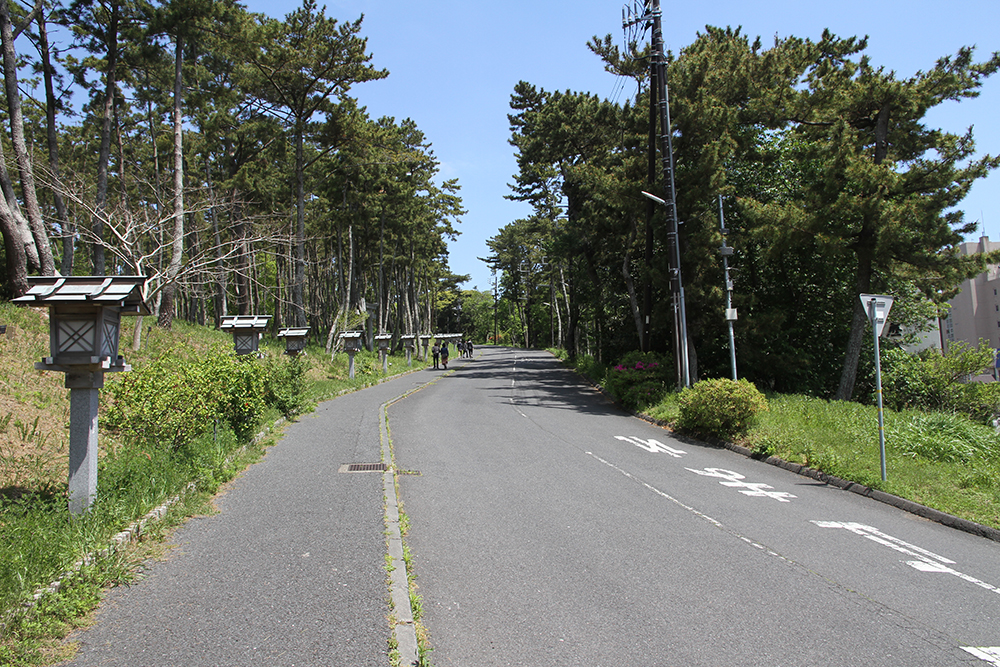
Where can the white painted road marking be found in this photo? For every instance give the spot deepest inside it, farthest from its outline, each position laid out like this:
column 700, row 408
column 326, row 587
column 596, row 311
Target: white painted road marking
column 652, row 445
column 735, row 480
column 926, row 561
column 990, row 654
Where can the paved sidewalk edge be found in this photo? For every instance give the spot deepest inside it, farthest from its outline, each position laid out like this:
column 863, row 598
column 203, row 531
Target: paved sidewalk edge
column 403, row 627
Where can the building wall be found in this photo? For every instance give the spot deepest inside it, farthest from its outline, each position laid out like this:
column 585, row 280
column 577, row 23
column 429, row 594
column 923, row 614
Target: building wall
column 975, row 311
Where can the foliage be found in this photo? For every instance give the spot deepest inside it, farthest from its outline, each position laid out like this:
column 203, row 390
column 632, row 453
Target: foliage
column 942, row 460
column 722, row 407
column 639, row 379
column 942, row 436
column 931, row 381
column 834, row 184
column 286, row 384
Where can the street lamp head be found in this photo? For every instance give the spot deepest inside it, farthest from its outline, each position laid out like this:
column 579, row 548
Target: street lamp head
column 654, row 198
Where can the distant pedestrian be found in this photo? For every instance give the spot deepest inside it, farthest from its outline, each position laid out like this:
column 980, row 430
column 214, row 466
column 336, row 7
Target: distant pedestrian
column 469, row 348
column 436, row 353
column 444, row 355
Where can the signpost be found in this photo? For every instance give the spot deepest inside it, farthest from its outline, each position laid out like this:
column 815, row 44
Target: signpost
column 877, row 307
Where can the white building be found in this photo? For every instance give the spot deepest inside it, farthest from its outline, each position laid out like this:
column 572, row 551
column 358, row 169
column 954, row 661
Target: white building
column 975, row 311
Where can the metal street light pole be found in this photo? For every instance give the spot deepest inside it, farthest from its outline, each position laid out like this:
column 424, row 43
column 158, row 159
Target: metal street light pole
column 680, row 315
column 726, row 253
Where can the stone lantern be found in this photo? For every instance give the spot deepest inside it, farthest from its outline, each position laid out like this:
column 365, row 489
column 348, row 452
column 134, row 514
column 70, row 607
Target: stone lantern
column 295, row 340
column 84, row 328
column 383, row 341
column 409, row 343
column 352, row 343
column 246, row 331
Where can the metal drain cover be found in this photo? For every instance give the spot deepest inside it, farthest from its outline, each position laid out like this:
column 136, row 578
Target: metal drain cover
column 362, row 467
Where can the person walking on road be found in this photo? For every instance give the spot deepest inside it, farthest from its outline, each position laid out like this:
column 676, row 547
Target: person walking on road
column 436, row 353
column 444, row 355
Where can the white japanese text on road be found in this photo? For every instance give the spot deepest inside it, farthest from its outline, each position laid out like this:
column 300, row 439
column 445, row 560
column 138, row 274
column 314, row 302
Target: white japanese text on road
column 652, row 446
column 735, row 480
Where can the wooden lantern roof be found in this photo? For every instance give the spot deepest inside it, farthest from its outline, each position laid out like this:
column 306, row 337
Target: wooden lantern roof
column 122, row 292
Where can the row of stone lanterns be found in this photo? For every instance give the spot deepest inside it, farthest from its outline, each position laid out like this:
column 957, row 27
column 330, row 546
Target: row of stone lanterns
column 84, row 329
column 248, row 329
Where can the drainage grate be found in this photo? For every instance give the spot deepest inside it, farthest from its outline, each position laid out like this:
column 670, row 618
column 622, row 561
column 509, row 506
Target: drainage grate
column 362, row 467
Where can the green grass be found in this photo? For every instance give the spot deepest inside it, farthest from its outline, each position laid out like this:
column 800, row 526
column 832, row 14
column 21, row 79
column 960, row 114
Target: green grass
column 941, row 460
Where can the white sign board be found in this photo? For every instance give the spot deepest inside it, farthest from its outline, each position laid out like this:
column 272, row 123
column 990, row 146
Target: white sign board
column 882, row 305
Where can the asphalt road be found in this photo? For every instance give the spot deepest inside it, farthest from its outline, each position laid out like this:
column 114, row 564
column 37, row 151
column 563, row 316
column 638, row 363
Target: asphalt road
column 547, row 527
column 290, row 571
column 550, row 528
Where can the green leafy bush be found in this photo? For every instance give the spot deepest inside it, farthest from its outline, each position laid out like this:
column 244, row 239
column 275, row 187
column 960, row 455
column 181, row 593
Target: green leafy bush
column 640, row 379
column 167, row 402
column 722, row 408
column 931, row 381
column 175, row 400
column 286, row 384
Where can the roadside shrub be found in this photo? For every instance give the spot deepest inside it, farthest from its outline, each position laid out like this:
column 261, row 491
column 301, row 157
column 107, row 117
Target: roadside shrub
column 243, row 383
column 638, row 380
column 286, row 384
column 172, row 401
column 722, row 407
column 164, row 403
column 930, row 381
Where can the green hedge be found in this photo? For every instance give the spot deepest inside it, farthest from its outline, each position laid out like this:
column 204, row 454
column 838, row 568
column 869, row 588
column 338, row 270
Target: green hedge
column 931, row 381
column 722, row 408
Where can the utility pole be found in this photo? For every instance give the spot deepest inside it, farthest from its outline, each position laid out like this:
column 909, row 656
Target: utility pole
column 726, row 253
column 647, row 292
column 496, row 341
column 658, row 71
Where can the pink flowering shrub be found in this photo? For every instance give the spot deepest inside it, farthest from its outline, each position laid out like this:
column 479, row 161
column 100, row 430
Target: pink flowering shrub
column 639, row 379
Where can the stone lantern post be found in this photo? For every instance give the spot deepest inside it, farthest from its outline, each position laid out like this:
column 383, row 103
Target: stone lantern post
column 409, row 343
column 84, row 328
column 352, row 343
column 383, row 341
column 246, row 331
column 295, row 340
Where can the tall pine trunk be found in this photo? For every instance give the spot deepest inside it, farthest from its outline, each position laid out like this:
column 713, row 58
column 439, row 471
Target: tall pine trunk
column 104, row 152
column 27, row 176
column 864, row 249
column 177, row 244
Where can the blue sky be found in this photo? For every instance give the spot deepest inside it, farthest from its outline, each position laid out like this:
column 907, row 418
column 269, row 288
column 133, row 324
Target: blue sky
column 453, row 66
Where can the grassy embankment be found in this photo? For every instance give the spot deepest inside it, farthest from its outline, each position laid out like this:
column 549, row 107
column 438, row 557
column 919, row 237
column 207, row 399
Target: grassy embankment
column 39, row 541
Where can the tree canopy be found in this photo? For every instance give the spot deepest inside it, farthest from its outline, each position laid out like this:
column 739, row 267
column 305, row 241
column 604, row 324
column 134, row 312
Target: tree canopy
column 833, row 183
column 220, row 152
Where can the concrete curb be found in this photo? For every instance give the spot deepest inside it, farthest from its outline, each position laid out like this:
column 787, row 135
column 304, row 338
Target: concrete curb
column 404, row 628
